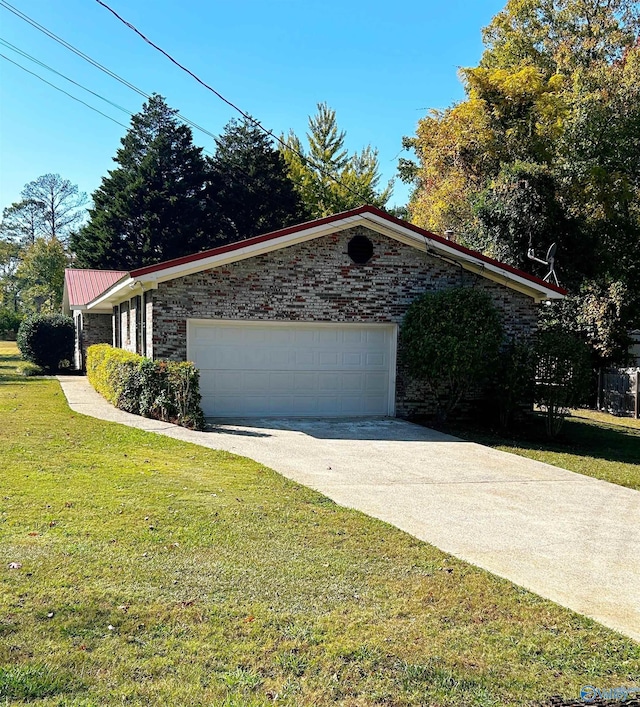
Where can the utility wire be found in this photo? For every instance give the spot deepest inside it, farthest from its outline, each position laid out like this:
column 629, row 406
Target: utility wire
column 24, row 54
column 246, row 116
column 15, row 63
column 67, row 78
column 239, row 171
column 6, row 5
column 93, row 62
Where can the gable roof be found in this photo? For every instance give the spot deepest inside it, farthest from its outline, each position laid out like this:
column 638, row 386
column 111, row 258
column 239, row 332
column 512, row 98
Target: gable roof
column 369, row 216
column 83, row 286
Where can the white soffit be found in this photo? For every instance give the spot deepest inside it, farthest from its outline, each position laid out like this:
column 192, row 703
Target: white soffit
column 130, row 287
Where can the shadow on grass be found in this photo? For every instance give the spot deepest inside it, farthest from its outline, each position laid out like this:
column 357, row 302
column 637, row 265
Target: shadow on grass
column 581, row 437
column 14, row 369
column 9, row 373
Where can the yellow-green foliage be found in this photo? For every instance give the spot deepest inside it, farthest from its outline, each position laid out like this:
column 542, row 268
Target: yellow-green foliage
column 103, row 365
column 164, row 390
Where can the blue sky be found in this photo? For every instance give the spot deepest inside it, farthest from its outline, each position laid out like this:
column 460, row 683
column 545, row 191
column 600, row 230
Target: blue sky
column 380, row 65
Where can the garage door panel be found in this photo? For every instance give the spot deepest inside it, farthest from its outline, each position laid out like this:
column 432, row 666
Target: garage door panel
column 370, row 406
column 328, row 404
column 376, row 336
column 352, row 336
column 304, row 359
column 352, row 359
column 329, row 382
column 352, row 382
column 305, row 382
column 250, row 369
column 377, row 383
column 328, row 359
column 280, row 358
column 327, row 336
column 376, row 360
column 304, row 337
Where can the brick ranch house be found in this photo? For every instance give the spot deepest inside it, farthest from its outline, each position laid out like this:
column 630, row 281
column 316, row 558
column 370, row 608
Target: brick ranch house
column 300, row 322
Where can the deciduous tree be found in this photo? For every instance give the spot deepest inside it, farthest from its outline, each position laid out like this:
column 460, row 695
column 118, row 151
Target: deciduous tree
column 545, row 148
column 57, row 205
column 23, row 222
column 41, row 276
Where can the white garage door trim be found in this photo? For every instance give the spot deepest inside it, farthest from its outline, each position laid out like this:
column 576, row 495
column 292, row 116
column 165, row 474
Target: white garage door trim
column 390, row 328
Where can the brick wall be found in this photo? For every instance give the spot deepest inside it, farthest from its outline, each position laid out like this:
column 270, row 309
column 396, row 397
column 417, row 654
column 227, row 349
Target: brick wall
column 317, row 281
column 96, row 329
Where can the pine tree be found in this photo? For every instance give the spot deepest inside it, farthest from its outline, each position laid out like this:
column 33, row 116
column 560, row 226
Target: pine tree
column 153, row 206
column 328, row 179
column 250, row 184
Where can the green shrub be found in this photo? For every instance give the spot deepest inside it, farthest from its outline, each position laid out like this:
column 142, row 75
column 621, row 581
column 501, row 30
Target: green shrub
column 451, row 340
column 163, row 390
column 47, row 340
column 9, row 324
column 512, row 379
column 563, row 374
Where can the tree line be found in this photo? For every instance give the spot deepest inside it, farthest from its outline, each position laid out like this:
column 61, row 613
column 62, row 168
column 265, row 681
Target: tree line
column 166, row 198
column 546, row 148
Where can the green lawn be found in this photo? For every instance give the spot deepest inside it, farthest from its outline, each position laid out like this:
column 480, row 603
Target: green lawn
column 591, row 443
column 154, row 572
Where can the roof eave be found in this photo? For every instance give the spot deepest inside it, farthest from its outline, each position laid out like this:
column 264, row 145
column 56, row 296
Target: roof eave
column 468, row 261
column 110, row 296
column 379, row 221
column 241, row 250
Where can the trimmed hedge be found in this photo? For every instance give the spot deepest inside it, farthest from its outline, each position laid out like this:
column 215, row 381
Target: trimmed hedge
column 47, row 340
column 163, row 390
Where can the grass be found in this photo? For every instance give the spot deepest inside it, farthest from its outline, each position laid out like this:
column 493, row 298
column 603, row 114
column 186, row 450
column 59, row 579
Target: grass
column 150, row 571
column 606, row 419
column 591, row 443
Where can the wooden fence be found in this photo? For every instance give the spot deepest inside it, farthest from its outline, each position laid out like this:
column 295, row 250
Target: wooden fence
column 619, row 391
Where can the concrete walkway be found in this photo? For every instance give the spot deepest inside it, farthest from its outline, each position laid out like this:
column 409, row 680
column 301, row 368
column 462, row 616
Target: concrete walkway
column 564, row 536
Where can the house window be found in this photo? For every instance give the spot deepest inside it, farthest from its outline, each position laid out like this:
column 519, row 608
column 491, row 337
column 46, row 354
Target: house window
column 127, row 324
column 143, row 332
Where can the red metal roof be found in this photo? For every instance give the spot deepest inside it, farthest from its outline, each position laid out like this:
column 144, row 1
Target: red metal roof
column 85, row 285
column 361, row 210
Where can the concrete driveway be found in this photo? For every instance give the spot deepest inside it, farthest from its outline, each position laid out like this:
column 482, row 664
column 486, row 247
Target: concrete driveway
column 564, row 536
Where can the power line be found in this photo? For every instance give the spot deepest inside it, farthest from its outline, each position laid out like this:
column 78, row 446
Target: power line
column 246, row 116
column 93, row 62
column 15, row 63
column 24, row 54
column 239, row 171
column 23, row 16
column 16, row 49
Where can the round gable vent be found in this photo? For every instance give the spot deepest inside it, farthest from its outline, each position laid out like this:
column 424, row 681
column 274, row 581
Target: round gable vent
column 360, row 249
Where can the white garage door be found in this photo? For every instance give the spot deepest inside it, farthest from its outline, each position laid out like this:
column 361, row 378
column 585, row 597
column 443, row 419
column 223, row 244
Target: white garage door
column 251, row 369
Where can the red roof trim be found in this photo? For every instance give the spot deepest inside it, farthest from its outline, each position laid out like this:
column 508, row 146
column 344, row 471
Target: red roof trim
column 361, row 210
column 230, row 247
column 467, row 251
